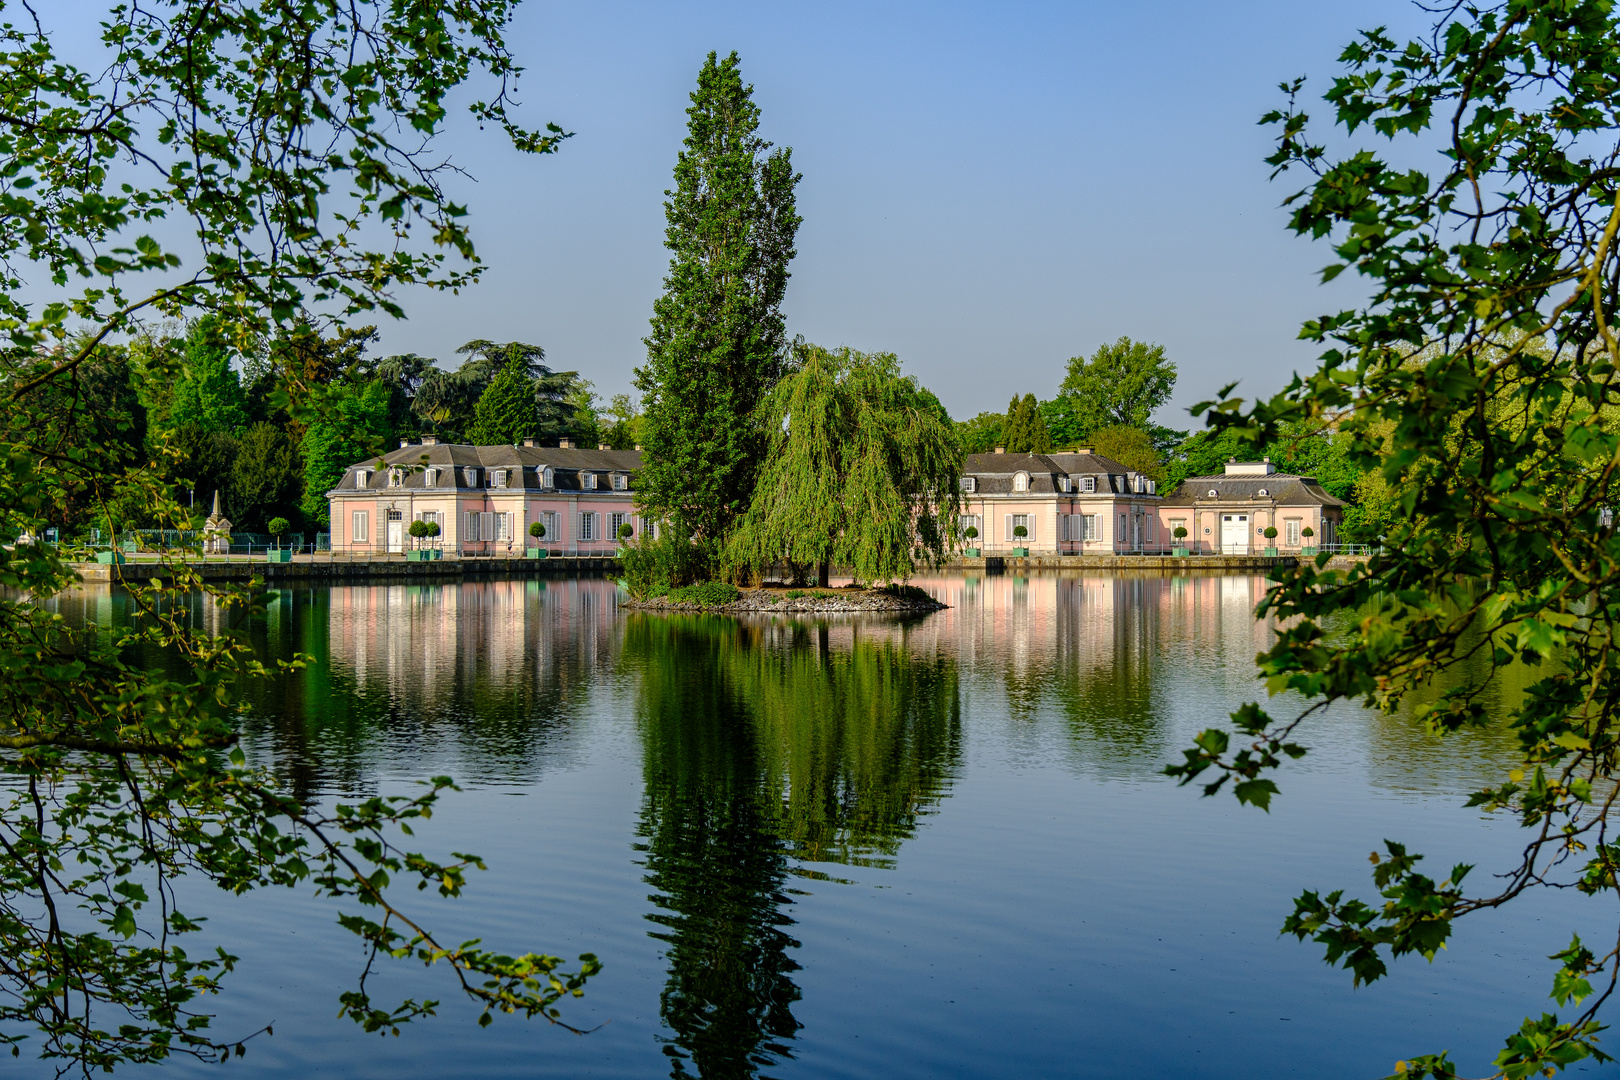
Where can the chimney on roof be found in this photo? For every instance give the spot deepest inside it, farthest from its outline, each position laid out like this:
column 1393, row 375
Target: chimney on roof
column 528, row 442
column 1085, row 450
column 403, row 443
column 1001, row 449
column 430, row 440
column 638, row 448
column 565, row 444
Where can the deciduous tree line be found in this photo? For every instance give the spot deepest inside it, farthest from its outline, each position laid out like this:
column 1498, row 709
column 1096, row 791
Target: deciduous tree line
column 271, row 421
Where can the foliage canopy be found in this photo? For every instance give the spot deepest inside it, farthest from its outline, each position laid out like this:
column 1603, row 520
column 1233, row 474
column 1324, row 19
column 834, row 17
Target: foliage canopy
column 860, row 470
column 718, row 340
column 1476, row 383
column 296, row 147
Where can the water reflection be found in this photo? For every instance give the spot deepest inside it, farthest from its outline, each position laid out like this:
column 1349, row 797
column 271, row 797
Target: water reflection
column 772, row 750
column 765, row 741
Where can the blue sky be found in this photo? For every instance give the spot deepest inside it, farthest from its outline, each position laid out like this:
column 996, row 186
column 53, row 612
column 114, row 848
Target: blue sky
column 989, row 188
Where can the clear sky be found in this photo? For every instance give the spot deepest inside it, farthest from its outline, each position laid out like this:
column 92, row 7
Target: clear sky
column 989, row 188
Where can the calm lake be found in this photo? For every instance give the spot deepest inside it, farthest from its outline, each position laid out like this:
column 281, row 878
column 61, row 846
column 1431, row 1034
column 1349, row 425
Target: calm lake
column 839, row 848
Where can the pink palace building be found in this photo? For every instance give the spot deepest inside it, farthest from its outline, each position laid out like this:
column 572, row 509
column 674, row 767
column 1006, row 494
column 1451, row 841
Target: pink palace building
column 484, row 498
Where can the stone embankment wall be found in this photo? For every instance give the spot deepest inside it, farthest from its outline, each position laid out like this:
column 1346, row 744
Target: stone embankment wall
column 317, row 569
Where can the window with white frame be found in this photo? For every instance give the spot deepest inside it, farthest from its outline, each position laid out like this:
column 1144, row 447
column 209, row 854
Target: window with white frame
column 1291, row 531
column 469, row 527
column 396, row 477
column 470, row 476
column 548, row 479
column 362, row 477
column 964, row 522
column 430, row 477
column 620, row 482
column 1021, row 482
column 1063, row 484
column 615, row 521
column 587, row 527
column 649, row 528
column 968, row 484
column 1088, row 485
column 360, row 527
column 500, row 478
column 1014, row 521
column 588, row 482
column 1124, row 524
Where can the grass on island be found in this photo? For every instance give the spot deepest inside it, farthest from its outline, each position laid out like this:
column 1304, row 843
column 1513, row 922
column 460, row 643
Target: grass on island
column 718, row 593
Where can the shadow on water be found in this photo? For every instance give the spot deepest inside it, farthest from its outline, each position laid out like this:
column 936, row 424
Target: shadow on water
column 766, row 744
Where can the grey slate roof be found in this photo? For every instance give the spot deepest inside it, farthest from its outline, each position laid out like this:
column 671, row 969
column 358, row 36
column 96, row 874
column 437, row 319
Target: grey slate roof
column 1284, row 489
column 994, row 472
column 525, row 462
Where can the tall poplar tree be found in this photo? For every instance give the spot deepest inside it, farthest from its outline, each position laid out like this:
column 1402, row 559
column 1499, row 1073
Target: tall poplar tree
column 718, row 340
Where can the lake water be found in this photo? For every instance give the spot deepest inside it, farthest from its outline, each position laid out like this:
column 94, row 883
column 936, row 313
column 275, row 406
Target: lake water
column 840, row 848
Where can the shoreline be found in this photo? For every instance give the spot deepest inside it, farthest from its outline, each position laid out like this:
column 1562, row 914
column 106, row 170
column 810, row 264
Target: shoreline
column 829, row 601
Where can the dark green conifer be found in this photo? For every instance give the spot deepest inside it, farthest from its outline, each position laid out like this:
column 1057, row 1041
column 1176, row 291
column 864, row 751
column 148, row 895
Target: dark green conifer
column 505, row 411
column 718, row 339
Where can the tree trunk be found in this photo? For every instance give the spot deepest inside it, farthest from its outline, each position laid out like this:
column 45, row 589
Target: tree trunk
column 822, row 571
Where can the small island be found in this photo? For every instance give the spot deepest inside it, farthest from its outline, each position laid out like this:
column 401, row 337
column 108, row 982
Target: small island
column 721, row 597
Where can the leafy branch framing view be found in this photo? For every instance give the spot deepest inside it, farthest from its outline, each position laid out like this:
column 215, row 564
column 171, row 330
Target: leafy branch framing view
column 293, row 149
column 1481, row 382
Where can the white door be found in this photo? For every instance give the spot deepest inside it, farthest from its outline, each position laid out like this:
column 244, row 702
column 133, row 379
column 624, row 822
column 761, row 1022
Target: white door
column 1234, row 534
column 396, row 531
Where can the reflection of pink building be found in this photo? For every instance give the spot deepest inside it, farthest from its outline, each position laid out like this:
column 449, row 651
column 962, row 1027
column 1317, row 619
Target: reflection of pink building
column 485, row 498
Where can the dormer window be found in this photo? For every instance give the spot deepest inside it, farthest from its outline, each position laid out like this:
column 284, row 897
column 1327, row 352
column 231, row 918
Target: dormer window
column 547, row 479
column 1264, row 493
column 619, row 482
column 430, row 477
column 396, row 477
column 1088, row 485
column 588, row 481
column 362, row 477
column 1063, row 484
column 968, row 484
column 1214, row 494
column 1021, row 482
column 500, row 478
column 470, row 476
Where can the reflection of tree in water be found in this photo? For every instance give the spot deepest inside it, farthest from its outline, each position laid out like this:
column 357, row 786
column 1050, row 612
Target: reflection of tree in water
column 1108, row 636
column 763, row 743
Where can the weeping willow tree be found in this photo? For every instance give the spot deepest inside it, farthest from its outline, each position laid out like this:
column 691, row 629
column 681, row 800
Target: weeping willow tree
column 861, row 470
